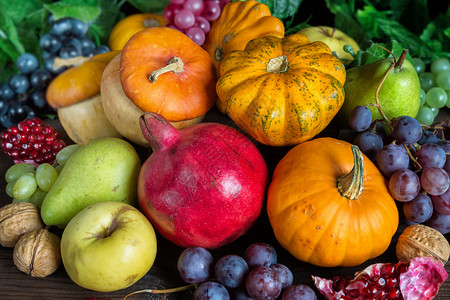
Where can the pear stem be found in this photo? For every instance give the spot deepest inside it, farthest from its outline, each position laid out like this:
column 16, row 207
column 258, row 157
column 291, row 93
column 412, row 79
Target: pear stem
column 163, row 291
column 401, row 59
column 351, row 185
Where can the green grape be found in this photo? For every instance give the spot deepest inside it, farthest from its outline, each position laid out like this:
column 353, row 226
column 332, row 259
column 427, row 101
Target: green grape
column 427, row 81
column 435, row 111
column 436, row 97
column 38, row 197
column 419, row 65
column 422, row 97
column 65, row 153
column 17, row 170
column 440, row 64
column 46, row 176
column 448, row 99
column 17, row 200
column 59, row 168
column 25, row 186
column 9, row 188
column 443, row 80
column 425, row 116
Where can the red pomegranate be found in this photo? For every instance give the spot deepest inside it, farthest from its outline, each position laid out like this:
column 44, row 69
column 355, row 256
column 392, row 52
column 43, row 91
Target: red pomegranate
column 203, row 185
column 418, row 279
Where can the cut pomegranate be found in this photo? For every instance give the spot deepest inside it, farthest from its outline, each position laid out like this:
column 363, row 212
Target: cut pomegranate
column 419, row 279
column 31, row 141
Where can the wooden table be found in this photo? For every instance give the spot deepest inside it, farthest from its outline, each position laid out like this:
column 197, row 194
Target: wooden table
column 17, row 285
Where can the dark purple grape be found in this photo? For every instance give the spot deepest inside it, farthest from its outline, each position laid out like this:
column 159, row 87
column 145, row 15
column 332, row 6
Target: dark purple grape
column 391, row 158
column 61, row 27
column 87, row 46
column 419, row 209
column 71, row 48
column 299, row 292
column 38, row 99
column 50, row 43
column 441, row 203
column 260, row 254
column 6, row 91
column 440, row 222
column 101, row 49
column 285, row 274
column 360, row 118
column 17, row 112
column 446, row 146
column 263, row 283
column 240, row 293
column 194, row 264
column 79, row 28
column 428, row 137
column 211, row 290
column 430, row 155
column 434, row 181
column 40, row 79
column 230, row 270
column 404, row 185
column 407, row 130
column 48, row 65
column 347, row 134
column 4, row 105
column 5, row 121
column 19, row 83
column 369, row 143
column 27, row 63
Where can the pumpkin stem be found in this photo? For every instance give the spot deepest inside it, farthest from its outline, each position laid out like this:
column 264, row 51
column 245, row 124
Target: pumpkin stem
column 149, row 23
column 351, row 185
column 278, row 64
column 175, row 64
column 69, row 62
column 218, row 54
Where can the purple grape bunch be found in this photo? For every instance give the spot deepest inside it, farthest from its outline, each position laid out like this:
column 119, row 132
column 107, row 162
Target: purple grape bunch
column 413, row 158
column 255, row 275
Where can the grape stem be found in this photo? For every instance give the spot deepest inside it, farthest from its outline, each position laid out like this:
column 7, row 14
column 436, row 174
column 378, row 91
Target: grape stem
column 163, row 291
column 412, row 157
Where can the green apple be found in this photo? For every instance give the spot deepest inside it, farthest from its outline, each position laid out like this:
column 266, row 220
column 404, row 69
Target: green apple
column 108, row 246
column 334, row 38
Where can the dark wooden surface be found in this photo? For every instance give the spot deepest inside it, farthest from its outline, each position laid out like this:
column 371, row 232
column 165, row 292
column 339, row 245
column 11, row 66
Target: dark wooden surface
column 17, row 285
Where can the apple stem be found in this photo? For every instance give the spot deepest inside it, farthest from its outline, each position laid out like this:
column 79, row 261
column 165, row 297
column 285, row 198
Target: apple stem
column 163, row 291
column 332, row 32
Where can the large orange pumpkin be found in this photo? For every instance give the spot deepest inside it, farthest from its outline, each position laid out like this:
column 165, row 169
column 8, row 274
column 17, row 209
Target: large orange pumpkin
column 164, row 71
column 240, row 22
column 329, row 205
column 281, row 91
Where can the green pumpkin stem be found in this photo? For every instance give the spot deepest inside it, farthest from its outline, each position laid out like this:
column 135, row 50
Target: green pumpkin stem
column 351, row 185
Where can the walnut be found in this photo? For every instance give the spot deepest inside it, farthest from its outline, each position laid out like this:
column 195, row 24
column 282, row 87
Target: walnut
column 37, row 253
column 16, row 219
column 421, row 240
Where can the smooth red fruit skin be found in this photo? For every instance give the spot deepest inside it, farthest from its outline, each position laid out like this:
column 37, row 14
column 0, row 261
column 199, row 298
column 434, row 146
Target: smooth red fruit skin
column 203, row 185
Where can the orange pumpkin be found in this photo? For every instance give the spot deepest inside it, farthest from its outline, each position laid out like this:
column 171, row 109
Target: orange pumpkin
column 281, row 91
column 329, row 205
column 164, row 71
column 240, row 22
column 128, row 26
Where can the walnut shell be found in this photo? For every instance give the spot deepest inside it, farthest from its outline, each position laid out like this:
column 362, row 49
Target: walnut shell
column 420, row 240
column 37, row 253
column 16, row 219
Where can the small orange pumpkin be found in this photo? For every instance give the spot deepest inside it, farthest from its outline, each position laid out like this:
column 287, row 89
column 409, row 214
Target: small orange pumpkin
column 329, row 205
column 128, row 26
column 281, row 91
column 164, row 71
column 240, row 22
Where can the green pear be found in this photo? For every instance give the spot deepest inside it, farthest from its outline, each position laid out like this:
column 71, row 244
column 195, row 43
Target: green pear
column 105, row 169
column 399, row 94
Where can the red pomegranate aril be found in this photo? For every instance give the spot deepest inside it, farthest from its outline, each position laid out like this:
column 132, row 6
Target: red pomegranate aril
column 50, row 139
column 36, row 129
column 58, row 145
column 339, row 283
column 393, row 294
column 13, row 130
column 14, row 153
column 46, row 149
column 387, row 270
column 48, row 157
column 372, row 289
column 354, row 293
column 32, row 138
column 33, row 154
column 38, row 146
column 6, row 135
column 47, row 130
column 391, row 282
column 381, row 282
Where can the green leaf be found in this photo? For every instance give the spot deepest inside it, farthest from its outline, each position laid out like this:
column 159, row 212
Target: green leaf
column 110, row 14
column 284, row 10
column 147, row 6
column 378, row 51
column 86, row 10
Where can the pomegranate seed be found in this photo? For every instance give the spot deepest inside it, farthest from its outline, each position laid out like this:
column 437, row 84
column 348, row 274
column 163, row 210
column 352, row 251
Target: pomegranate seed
column 6, row 135
column 38, row 146
column 46, row 149
column 33, row 154
column 402, row 268
column 14, row 154
column 41, row 137
column 379, row 281
column 339, row 283
column 32, row 138
column 372, row 289
column 50, row 139
column 391, row 282
column 355, row 293
column 387, row 270
column 13, row 130
column 36, row 129
column 22, row 137
column 393, row 294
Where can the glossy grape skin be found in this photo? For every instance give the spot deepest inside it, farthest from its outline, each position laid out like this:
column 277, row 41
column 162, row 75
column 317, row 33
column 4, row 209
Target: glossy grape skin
column 19, row 83
column 439, row 222
column 446, row 146
column 15, row 171
column 194, row 264
column 25, row 186
column 369, row 143
column 197, row 35
column 184, row 19
column 434, row 181
column 63, row 156
column 419, row 65
column 443, row 80
column 78, row 28
column 360, row 118
column 391, row 158
column 27, row 63
column 436, row 97
column 440, row 64
column 230, row 270
column 211, row 290
column 40, row 79
column 38, row 99
column 46, row 176
column 425, row 116
column 101, row 49
column 6, row 91
column 285, row 274
column 260, row 254
column 50, row 43
column 419, row 209
column 427, row 81
column 87, row 46
column 407, row 130
column 404, row 185
column 263, row 283
column 428, row 137
column 430, row 155
column 61, row 27
column 299, row 292
column 441, row 203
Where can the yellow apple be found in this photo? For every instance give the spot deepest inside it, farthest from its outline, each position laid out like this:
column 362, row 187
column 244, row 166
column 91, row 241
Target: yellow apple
column 334, row 38
column 108, row 246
